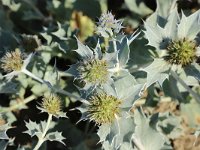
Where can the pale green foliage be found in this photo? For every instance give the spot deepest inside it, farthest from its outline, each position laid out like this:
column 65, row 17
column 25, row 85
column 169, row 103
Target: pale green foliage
column 35, row 129
column 132, row 89
column 175, row 39
column 143, row 134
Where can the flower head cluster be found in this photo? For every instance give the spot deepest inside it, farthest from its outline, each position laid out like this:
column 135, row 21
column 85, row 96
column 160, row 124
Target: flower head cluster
column 108, row 108
column 12, row 61
column 103, row 108
column 107, row 25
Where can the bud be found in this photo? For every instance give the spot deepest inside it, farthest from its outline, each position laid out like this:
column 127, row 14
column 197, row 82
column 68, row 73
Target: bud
column 103, row 108
column 12, row 61
column 94, row 71
column 181, row 52
column 108, row 25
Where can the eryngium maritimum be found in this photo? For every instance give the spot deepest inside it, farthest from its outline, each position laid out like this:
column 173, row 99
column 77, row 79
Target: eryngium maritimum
column 12, row 61
column 103, row 108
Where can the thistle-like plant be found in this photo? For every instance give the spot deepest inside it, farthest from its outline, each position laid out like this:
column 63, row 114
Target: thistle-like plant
column 52, row 105
column 109, row 107
column 13, row 62
column 93, row 68
column 176, row 43
column 16, row 62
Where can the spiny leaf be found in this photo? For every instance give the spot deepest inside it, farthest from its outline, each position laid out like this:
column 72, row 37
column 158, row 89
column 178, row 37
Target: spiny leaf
column 3, row 130
column 189, row 26
column 158, row 71
column 55, row 136
column 144, row 133
column 33, row 128
column 84, row 51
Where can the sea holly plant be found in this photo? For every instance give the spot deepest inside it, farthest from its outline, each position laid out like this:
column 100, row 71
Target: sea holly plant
column 118, row 93
column 177, row 46
column 93, row 68
column 52, row 105
column 109, row 108
column 16, row 62
column 176, row 43
column 97, row 68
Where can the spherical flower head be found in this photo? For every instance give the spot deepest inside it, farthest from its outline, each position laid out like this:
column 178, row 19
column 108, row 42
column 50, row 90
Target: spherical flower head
column 103, row 108
column 12, row 61
column 181, row 52
column 51, row 104
column 94, row 71
column 107, row 25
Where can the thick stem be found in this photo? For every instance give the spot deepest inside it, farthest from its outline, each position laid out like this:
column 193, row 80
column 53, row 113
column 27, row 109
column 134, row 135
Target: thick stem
column 42, row 138
column 195, row 95
column 13, row 107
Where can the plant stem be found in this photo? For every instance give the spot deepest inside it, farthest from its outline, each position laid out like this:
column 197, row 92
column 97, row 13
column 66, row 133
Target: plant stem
column 195, row 95
column 42, row 138
column 30, row 74
column 13, row 107
column 61, row 91
column 114, row 45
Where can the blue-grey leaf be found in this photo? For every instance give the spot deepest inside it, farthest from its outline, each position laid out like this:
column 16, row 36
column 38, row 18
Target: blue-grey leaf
column 189, row 26
column 158, row 71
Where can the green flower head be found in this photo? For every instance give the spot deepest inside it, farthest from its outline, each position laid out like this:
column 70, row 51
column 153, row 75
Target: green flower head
column 94, row 71
column 52, row 104
column 103, row 108
column 182, row 52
